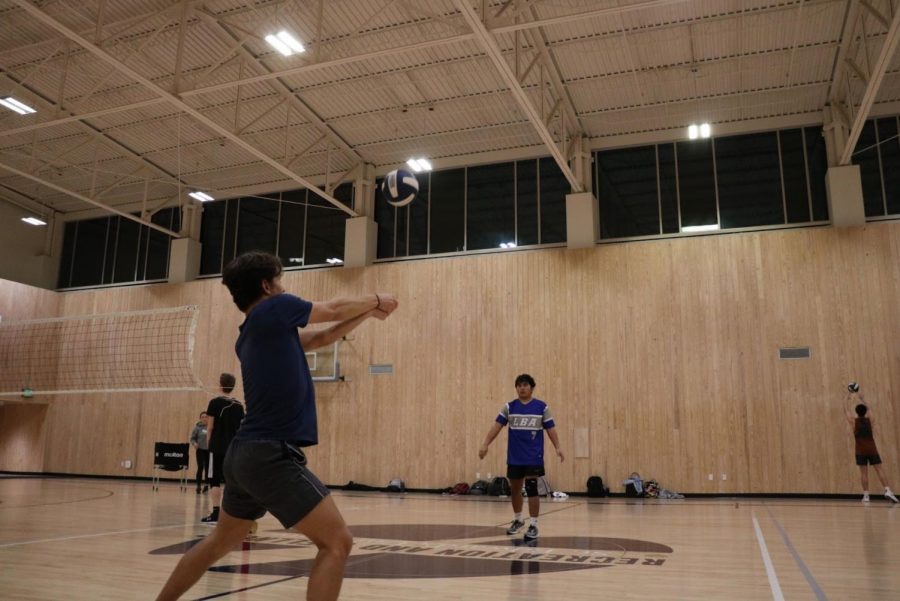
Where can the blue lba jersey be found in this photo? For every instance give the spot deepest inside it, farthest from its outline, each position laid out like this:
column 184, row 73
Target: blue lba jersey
column 527, row 422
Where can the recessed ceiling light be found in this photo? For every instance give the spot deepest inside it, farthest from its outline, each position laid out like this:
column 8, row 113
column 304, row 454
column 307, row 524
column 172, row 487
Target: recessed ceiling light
column 14, row 105
column 34, row 221
column 201, row 196
column 334, row 261
column 285, row 43
column 693, row 132
column 705, row 130
column 507, row 245
column 419, row 165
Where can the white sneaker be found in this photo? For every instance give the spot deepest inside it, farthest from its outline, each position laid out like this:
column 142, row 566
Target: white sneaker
column 890, row 495
column 865, row 498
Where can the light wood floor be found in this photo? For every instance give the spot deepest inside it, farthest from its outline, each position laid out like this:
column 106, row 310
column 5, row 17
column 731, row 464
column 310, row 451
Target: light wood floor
column 108, row 539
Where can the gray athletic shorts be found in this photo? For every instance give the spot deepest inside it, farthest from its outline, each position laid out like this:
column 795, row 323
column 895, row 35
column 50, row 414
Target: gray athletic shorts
column 271, row 475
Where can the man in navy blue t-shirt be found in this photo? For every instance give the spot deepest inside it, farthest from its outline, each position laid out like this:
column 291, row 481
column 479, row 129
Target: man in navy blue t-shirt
column 527, row 418
column 265, row 468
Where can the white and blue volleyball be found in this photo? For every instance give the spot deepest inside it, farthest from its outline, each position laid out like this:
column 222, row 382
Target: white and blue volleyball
column 400, row 187
column 853, row 387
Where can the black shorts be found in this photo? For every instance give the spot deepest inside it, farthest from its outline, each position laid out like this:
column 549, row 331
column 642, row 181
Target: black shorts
column 868, row 459
column 517, row 472
column 269, row 475
column 215, row 473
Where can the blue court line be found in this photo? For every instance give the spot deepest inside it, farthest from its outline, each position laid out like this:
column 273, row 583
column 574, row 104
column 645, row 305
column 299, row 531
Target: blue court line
column 820, row 594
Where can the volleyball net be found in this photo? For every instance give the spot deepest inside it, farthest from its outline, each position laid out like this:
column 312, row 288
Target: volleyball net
column 136, row 351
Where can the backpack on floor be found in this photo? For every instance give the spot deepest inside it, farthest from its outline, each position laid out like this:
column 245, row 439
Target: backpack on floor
column 499, row 487
column 460, row 488
column 479, row 488
column 595, row 487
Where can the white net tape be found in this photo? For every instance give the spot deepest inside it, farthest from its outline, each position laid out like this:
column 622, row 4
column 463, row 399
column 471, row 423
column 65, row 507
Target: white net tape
column 118, row 352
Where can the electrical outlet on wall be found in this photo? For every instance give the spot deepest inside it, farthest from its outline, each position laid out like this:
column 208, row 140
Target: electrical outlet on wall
column 712, row 477
column 724, row 476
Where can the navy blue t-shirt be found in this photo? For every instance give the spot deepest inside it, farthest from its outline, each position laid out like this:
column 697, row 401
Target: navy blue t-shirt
column 278, row 388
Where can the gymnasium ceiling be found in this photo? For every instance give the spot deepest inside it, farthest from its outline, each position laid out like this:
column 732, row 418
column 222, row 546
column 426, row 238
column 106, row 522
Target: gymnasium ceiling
column 141, row 101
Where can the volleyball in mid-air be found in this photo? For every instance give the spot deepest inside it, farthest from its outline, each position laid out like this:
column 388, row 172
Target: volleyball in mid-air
column 400, row 187
column 853, row 387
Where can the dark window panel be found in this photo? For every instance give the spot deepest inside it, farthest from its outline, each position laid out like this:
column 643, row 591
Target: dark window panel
column 386, row 218
column 817, row 165
column 67, row 255
column 696, row 183
column 126, row 251
column 448, row 210
column 90, row 246
column 890, row 162
column 402, row 232
column 257, row 224
column 554, row 188
column 796, row 191
column 418, row 218
column 212, row 234
column 158, row 243
column 291, row 228
column 112, row 239
column 325, row 226
column 231, row 225
column 629, row 203
column 490, row 206
column 749, row 180
column 866, row 156
column 668, row 188
column 526, row 203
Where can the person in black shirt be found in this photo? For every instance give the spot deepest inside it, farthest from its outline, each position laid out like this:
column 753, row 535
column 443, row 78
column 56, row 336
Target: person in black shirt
column 224, row 414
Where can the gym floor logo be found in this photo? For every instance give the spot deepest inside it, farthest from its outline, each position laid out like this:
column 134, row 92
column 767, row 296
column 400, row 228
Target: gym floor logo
column 447, row 551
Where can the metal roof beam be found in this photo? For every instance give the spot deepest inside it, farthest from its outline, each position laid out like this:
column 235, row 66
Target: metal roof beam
column 177, row 102
column 876, row 76
column 490, row 47
column 87, row 199
column 283, row 89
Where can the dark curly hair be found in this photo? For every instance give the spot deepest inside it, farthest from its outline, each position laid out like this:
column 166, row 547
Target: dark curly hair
column 245, row 274
column 526, row 379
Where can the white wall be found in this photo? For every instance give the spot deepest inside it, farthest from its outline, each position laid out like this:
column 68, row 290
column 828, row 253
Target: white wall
column 22, row 246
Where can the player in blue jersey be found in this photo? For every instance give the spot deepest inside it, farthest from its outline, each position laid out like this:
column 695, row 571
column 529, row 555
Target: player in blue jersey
column 527, row 418
column 265, row 468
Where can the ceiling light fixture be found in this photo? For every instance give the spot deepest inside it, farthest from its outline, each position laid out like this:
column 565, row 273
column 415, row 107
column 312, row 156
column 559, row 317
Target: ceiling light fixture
column 34, row 221
column 699, row 131
column 334, row 261
column 419, row 165
column 201, row 196
column 507, row 245
column 285, row 43
column 16, row 106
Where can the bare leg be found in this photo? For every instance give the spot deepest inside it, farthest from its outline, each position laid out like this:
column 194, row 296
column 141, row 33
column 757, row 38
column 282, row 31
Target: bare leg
column 534, row 506
column 864, row 477
column 230, row 531
column 881, row 476
column 325, row 527
column 516, row 494
column 215, row 495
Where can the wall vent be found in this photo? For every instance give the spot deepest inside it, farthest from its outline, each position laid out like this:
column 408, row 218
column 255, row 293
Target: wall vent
column 381, row 369
column 794, row 352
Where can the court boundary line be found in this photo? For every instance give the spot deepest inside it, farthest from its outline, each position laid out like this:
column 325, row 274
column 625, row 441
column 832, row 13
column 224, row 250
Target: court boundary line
column 777, row 595
column 820, row 594
column 94, row 535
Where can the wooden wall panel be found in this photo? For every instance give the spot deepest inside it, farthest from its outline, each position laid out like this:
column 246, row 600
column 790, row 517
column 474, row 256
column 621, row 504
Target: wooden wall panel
column 666, row 351
column 22, row 436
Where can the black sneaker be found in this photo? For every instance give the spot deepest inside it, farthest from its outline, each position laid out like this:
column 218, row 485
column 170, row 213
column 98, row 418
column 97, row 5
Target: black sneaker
column 212, row 518
column 531, row 533
column 515, row 526
column 206, row 489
